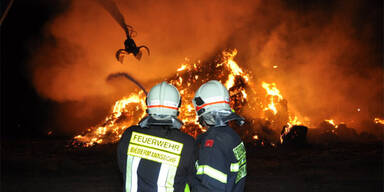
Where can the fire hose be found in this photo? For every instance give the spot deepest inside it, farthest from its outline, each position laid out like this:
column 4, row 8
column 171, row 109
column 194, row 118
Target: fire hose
column 126, row 75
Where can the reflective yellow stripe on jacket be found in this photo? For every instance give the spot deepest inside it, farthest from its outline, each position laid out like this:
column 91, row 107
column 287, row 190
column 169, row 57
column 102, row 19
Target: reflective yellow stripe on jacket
column 211, row 172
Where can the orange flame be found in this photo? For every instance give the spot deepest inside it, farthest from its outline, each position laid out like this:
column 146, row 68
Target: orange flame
column 115, row 124
column 182, row 67
column 379, row 121
column 294, row 121
column 332, row 122
column 128, row 111
column 233, row 67
column 274, row 96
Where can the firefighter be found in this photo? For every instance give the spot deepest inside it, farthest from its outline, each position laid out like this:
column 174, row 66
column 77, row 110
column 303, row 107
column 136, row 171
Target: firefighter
column 221, row 164
column 155, row 155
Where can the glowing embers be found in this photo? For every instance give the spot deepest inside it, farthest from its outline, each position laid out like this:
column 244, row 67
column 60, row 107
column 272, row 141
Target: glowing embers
column 333, row 126
column 182, row 67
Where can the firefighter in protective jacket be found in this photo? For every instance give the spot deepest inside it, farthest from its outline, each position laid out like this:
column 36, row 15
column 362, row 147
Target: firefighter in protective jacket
column 221, row 164
column 155, row 155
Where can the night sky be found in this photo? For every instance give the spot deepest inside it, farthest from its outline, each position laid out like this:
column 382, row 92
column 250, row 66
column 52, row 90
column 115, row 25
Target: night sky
column 23, row 112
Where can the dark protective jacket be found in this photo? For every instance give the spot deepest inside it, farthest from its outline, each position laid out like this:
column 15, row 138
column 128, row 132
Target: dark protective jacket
column 156, row 158
column 221, row 164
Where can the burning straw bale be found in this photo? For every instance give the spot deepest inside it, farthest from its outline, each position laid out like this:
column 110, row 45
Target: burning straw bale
column 328, row 132
column 261, row 103
column 295, row 135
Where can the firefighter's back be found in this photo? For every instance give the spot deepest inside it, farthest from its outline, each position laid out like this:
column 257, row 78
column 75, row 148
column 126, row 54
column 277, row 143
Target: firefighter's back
column 156, row 158
column 222, row 150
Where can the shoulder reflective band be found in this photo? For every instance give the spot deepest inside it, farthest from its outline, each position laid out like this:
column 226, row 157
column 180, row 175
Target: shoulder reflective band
column 156, row 142
column 211, row 172
column 217, row 102
column 240, row 166
column 239, row 151
column 242, row 172
column 155, row 149
column 235, row 166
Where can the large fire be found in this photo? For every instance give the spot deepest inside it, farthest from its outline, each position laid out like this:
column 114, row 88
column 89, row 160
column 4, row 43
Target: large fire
column 189, row 76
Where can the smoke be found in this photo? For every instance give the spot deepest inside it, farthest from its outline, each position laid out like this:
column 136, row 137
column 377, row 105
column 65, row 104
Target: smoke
column 74, row 64
column 111, row 7
column 328, row 58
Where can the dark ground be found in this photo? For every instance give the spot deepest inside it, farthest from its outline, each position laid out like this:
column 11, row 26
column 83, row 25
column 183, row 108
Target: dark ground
column 48, row 165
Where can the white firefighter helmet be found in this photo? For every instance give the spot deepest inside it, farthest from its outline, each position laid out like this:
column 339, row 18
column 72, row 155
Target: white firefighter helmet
column 163, row 101
column 211, row 96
